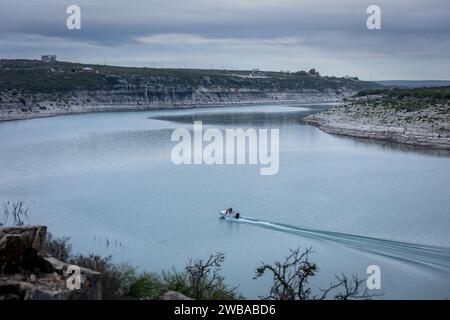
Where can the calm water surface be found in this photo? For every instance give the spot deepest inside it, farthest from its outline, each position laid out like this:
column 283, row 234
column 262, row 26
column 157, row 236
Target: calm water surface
column 107, row 181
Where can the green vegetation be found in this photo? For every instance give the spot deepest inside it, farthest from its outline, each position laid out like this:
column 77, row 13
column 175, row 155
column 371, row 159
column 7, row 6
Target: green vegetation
column 117, row 279
column 406, row 99
column 201, row 279
column 59, row 248
column 33, row 76
column 420, row 93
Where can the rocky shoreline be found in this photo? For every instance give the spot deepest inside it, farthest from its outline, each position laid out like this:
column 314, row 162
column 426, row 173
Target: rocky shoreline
column 425, row 127
column 90, row 102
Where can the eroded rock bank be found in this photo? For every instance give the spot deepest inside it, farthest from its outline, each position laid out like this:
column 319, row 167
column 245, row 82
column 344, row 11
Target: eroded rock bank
column 27, row 273
column 48, row 105
column 425, row 125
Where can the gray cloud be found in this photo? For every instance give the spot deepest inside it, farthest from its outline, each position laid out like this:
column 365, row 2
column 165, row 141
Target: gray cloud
column 283, row 34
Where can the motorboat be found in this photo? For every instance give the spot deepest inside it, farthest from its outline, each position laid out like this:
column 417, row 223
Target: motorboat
column 229, row 214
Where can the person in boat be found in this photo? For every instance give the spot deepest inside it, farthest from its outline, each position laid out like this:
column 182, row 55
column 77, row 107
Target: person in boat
column 229, row 211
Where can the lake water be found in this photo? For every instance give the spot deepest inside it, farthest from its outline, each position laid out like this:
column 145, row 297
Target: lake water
column 108, row 178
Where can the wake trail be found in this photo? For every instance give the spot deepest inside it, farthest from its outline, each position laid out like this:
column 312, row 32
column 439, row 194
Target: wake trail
column 424, row 255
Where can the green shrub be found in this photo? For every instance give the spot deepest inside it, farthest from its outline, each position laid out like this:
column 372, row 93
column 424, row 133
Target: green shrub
column 146, row 286
column 201, row 279
column 175, row 281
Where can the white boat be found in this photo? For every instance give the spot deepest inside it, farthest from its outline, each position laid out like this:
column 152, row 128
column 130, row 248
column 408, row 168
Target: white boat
column 229, row 215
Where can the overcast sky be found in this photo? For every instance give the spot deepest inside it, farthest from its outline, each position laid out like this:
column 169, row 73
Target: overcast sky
column 330, row 35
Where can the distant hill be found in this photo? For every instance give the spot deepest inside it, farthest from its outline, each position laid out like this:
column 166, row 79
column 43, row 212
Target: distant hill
column 32, row 88
column 33, row 76
column 414, row 83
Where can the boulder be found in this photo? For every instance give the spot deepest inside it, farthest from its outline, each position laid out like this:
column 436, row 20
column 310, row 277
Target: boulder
column 11, row 254
column 26, row 272
column 20, row 248
column 33, row 236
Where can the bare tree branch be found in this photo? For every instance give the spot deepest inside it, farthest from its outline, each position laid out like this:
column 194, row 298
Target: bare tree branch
column 291, row 280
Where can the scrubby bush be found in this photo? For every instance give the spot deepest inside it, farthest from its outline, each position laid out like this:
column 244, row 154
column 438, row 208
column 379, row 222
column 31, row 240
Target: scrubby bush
column 59, row 248
column 201, row 279
column 116, row 279
column 407, row 99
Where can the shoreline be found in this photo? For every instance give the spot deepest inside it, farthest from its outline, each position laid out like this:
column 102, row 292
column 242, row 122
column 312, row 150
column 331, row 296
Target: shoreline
column 343, row 120
column 366, row 122
column 18, row 115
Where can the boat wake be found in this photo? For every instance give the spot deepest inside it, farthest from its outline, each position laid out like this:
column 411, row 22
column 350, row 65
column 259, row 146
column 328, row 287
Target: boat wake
column 434, row 257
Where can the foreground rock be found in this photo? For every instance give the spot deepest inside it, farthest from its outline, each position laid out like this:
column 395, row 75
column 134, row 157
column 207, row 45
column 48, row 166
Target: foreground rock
column 426, row 126
column 173, row 295
column 26, row 273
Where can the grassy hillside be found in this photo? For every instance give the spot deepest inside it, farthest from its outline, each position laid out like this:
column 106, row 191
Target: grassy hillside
column 33, row 76
column 432, row 93
column 414, row 83
column 407, row 99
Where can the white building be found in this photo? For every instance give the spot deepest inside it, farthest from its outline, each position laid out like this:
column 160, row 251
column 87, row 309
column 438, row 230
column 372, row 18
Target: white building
column 48, row 58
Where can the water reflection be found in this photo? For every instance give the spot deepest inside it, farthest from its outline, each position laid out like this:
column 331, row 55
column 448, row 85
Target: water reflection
column 111, row 175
